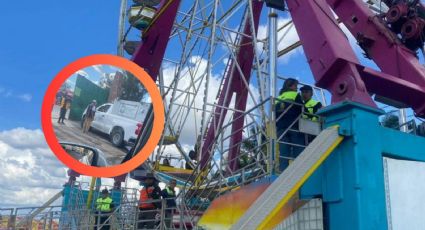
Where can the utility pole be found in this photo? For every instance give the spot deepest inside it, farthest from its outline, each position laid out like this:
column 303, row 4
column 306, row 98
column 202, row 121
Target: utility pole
column 272, row 154
column 403, row 120
column 121, row 28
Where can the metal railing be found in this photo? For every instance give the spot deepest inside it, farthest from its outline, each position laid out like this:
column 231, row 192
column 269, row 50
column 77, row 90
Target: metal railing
column 254, row 161
column 153, row 214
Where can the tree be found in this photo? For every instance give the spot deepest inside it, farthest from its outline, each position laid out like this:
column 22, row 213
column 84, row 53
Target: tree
column 247, row 151
column 132, row 89
column 106, row 80
column 391, row 121
column 421, row 129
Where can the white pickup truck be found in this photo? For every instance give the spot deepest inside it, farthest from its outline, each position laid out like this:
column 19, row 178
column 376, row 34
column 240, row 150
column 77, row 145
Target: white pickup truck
column 119, row 120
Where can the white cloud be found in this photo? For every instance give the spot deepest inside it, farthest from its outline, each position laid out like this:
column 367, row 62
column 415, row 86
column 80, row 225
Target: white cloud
column 22, row 138
column 112, row 69
column 191, row 128
column 98, row 68
column 8, row 93
column 285, row 37
column 29, row 172
column 289, row 36
column 82, row 73
column 26, row 97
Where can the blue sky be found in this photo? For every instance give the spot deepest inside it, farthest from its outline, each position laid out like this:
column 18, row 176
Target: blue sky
column 40, row 38
column 94, row 73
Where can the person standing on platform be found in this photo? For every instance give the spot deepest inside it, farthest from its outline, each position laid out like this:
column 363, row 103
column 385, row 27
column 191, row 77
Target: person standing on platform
column 288, row 111
column 149, row 202
column 104, row 208
column 169, row 194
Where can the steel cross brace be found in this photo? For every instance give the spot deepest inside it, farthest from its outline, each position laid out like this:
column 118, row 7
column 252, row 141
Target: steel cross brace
column 233, row 84
column 150, row 53
column 335, row 65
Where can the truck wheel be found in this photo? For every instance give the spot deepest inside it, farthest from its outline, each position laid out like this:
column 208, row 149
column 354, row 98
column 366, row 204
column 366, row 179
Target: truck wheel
column 117, row 137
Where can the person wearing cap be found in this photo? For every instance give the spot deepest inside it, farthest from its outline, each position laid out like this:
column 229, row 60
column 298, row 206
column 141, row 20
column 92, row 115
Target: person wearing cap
column 104, row 208
column 89, row 117
column 169, row 194
column 149, row 202
column 63, row 108
column 288, row 110
column 311, row 106
column 192, row 155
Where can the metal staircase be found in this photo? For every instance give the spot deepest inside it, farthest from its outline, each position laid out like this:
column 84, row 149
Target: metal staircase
column 288, row 183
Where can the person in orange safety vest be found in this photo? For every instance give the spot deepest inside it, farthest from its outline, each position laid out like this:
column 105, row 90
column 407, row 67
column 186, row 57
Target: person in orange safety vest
column 149, row 202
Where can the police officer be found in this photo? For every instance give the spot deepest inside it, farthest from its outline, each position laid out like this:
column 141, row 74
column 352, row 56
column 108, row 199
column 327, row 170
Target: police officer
column 104, row 208
column 148, row 203
column 288, row 110
column 169, row 194
column 311, row 106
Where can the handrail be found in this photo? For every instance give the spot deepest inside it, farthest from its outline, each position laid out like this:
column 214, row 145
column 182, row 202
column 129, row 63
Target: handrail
column 287, row 184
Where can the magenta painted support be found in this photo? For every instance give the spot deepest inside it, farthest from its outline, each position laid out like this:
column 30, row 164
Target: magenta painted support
column 234, row 83
column 412, row 94
column 334, row 64
column 331, row 58
column 150, row 53
column 238, row 122
column 386, row 50
column 381, row 44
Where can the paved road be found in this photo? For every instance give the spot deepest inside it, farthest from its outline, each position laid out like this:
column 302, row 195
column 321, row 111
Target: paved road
column 71, row 132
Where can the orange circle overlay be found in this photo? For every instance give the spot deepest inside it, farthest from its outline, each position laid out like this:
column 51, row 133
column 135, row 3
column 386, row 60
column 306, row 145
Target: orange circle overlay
column 158, row 109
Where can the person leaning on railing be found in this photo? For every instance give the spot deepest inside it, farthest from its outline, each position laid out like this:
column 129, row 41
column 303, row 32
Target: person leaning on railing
column 288, row 110
column 149, row 202
column 104, row 208
column 169, row 194
column 311, row 106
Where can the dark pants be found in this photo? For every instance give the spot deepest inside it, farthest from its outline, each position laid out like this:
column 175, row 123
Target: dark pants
column 102, row 220
column 287, row 150
column 168, row 218
column 146, row 219
column 62, row 115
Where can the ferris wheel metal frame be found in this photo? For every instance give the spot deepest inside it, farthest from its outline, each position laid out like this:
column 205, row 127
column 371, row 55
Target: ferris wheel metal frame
column 201, row 29
column 242, row 54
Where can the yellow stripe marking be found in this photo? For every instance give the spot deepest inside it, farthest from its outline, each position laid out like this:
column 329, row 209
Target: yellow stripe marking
column 300, row 183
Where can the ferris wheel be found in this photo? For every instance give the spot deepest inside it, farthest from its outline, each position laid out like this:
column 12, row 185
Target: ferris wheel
column 216, row 65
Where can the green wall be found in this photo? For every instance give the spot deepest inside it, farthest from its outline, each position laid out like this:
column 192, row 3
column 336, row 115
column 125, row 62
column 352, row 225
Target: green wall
column 84, row 93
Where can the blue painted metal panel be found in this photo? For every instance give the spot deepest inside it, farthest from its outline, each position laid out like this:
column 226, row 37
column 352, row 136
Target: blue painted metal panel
column 399, row 145
column 351, row 180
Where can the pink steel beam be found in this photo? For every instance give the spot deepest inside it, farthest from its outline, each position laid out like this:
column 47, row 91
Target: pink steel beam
column 336, row 67
column 331, row 58
column 150, row 53
column 385, row 49
column 234, row 83
column 381, row 44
